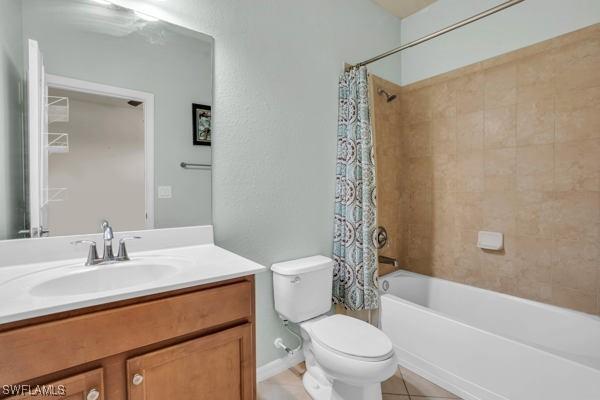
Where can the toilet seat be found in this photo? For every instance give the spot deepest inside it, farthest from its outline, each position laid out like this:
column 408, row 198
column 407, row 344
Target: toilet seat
column 351, row 337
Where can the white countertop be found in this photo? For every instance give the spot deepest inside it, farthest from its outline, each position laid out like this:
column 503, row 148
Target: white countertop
column 207, row 264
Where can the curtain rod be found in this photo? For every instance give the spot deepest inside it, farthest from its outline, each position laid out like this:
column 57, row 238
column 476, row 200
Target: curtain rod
column 450, row 28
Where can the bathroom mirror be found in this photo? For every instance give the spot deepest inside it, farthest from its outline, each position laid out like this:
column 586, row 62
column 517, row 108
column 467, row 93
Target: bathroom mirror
column 105, row 113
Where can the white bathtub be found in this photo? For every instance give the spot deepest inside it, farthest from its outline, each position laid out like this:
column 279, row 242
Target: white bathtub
column 485, row 345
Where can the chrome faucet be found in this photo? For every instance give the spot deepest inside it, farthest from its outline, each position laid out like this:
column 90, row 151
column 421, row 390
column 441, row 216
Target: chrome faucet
column 108, row 257
column 108, row 236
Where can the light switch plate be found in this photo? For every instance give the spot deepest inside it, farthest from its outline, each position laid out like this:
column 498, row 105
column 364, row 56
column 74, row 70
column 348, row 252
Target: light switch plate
column 165, row 192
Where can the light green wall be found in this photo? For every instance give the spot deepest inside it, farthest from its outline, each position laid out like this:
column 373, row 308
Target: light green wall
column 277, row 64
column 176, row 68
column 11, row 137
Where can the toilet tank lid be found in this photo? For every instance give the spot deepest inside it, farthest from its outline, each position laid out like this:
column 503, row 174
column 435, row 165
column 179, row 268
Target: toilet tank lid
column 302, row 265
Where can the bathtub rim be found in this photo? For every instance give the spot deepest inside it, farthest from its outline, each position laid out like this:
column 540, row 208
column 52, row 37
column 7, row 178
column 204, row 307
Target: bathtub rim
column 447, row 317
column 561, row 310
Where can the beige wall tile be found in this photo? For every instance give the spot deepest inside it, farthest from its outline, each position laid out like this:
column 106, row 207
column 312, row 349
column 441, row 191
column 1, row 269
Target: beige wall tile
column 512, row 145
column 467, row 264
column 420, row 241
column 443, row 101
column 500, row 265
column 577, row 216
column 500, row 85
column 577, row 64
column 578, row 165
column 571, row 100
column 533, row 290
column 500, row 169
column 536, row 69
column 444, row 172
column 575, row 265
column 535, row 92
column 418, row 139
column 578, row 123
column 534, row 259
column 535, row 122
column 469, row 211
column 500, row 127
column 444, row 245
column 535, row 168
column 500, row 212
column 469, row 172
column 469, row 132
column 443, row 136
column 578, row 114
column 536, row 214
column 391, row 185
column 420, row 171
column 420, row 265
column 420, row 209
column 418, row 106
column 469, row 93
column 575, row 299
column 443, row 210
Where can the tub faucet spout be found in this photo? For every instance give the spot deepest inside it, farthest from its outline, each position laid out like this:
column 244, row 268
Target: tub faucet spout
column 390, row 261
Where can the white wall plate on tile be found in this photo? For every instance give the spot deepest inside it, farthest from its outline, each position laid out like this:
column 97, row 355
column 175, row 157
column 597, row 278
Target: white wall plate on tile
column 490, row 240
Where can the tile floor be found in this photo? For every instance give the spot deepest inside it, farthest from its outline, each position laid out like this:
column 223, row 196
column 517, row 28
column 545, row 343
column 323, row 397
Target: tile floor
column 405, row 385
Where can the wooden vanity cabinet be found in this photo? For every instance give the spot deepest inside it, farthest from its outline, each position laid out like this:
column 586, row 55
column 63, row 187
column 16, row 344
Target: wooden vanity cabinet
column 84, row 386
column 191, row 344
column 211, row 367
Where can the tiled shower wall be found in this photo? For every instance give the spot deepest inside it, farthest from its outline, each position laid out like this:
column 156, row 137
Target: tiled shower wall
column 511, row 144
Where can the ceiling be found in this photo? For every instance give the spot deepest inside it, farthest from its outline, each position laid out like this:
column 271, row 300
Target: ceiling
column 403, row 8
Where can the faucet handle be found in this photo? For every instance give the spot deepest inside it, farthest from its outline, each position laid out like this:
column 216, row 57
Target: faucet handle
column 78, row 242
column 92, row 253
column 122, row 255
column 126, row 238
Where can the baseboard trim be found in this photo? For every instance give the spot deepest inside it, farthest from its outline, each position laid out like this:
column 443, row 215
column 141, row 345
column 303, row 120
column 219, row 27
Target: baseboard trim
column 277, row 366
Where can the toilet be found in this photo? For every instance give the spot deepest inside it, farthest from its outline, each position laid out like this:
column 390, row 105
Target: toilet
column 346, row 358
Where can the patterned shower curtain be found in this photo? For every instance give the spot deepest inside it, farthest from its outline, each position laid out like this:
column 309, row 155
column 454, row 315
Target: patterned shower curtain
column 355, row 255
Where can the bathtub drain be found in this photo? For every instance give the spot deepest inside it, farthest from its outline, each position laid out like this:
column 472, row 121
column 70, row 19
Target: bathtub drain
column 385, row 286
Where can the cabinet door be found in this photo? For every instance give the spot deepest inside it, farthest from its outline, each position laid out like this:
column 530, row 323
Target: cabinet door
column 214, row 367
column 86, row 386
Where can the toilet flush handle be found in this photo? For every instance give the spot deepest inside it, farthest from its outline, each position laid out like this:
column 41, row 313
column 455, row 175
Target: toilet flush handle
column 296, row 279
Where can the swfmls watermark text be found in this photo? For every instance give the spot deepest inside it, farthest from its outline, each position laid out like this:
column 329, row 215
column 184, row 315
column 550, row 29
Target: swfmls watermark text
column 34, row 390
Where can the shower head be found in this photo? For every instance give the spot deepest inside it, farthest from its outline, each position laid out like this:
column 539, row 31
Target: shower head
column 389, row 97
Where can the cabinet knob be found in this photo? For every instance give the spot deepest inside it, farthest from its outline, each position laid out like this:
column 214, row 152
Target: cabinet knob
column 137, row 379
column 93, row 394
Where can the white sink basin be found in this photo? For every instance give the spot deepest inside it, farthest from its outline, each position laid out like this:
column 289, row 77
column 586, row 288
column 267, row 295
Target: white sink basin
column 101, row 279
column 33, row 290
column 79, row 280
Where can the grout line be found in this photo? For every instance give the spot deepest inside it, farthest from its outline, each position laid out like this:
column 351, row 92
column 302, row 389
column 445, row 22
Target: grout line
column 404, row 382
column 417, row 396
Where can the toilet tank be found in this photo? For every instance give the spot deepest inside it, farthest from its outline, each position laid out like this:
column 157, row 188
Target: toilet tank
column 302, row 287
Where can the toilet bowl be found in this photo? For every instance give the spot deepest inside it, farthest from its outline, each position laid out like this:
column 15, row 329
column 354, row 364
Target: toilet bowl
column 346, row 358
column 354, row 356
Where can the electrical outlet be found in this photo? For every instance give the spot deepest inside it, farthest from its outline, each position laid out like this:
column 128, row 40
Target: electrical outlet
column 165, row 192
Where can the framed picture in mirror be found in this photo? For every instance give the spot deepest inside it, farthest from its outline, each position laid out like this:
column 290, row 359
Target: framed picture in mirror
column 202, row 124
